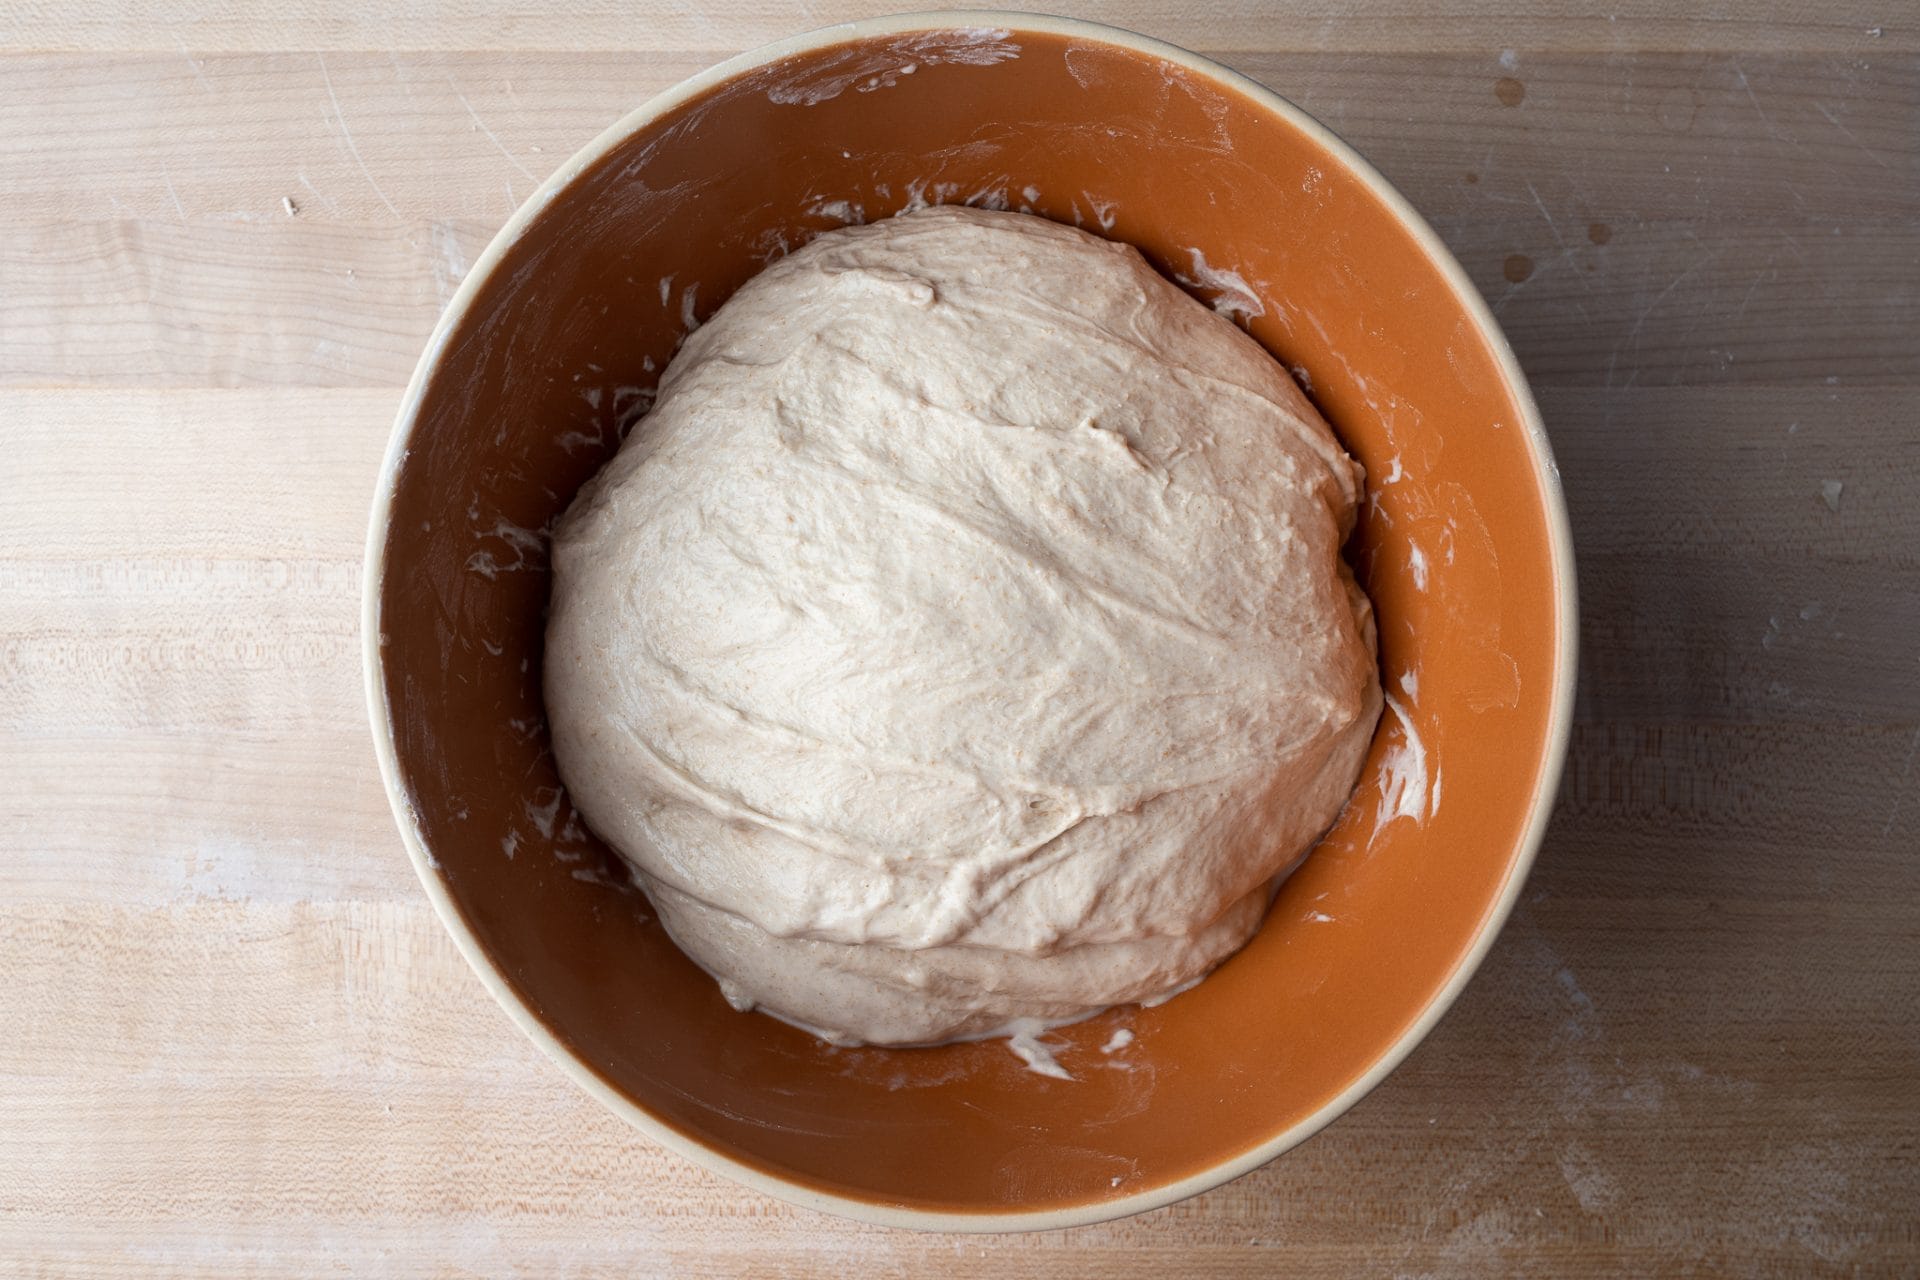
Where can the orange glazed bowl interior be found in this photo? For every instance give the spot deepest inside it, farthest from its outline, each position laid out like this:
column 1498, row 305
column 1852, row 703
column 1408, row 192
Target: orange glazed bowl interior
column 551, row 349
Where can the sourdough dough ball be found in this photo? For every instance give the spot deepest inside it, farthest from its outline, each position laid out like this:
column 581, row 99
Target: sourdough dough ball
column 963, row 637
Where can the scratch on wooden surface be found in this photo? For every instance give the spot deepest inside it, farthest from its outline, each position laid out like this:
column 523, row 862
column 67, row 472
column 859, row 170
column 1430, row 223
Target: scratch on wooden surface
column 1900, row 788
column 1553, row 229
column 1871, row 153
column 166, row 175
column 347, row 133
column 1759, row 277
column 332, row 206
column 493, row 138
column 1773, row 131
column 1541, row 205
column 1633, row 334
column 193, row 64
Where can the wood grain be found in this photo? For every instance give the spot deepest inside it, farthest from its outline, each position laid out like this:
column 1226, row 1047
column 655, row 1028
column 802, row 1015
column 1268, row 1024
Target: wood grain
column 161, row 252
column 1737, row 137
column 240, row 304
column 369, row 1110
column 238, row 1043
column 1628, row 25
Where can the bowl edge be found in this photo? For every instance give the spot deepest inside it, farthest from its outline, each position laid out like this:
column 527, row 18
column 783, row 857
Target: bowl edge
column 1559, row 726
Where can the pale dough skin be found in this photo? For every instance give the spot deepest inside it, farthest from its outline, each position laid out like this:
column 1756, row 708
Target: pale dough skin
column 963, row 637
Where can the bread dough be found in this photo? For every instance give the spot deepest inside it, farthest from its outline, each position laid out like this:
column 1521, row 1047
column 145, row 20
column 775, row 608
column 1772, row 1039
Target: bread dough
column 963, row 637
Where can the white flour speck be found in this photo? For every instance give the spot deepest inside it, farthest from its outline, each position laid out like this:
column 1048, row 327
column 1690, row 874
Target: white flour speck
column 1233, row 298
column 1024, row 1039
column 1406, row 786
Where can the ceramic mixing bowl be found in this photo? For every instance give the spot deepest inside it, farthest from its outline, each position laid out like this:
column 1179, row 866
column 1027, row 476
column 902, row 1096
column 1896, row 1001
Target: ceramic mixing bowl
column 549, row 352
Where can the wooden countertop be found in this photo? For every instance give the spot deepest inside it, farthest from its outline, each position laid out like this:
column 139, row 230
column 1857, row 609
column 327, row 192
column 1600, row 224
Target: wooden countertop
column 235, row 1041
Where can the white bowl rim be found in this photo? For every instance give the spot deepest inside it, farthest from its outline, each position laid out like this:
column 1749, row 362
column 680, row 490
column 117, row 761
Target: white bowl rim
column 1560, row 717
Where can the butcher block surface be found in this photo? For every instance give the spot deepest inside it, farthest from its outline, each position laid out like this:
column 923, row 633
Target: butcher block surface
column 234, row 1039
